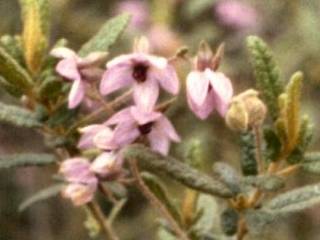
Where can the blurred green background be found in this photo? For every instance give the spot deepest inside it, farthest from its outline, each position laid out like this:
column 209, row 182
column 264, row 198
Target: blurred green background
column 290, row 27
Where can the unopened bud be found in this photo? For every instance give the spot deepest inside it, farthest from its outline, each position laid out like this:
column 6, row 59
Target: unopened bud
column 105, row 164
column 246, row 110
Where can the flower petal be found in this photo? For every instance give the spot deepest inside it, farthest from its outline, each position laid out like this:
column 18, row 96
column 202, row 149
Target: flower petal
column 68, row 68
column 204, row 110
column 125, row 133
column 159, row 142
column 197, row 87
column 88, row 133
column 76, row 94
column 142, row 117
column 123, row 115
column 168, row 79
column 146, row 94
column 116, row 77
column 104, row 139
column 164, row 125
column 222, row 87
column 63, row 52
column 122, row 60
column 76, row 170
column 80, row 194
column 93, row 59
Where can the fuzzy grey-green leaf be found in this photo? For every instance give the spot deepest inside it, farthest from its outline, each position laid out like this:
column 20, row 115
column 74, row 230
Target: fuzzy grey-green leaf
column 18, row 116
column 26, row 160
column 266, row 72
column 295, row 200
column 107, row 36
column 41, row 196
column 177, row 170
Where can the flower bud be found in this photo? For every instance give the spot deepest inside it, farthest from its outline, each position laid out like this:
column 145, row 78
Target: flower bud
column 106, row 164
column 246, row 110
column 77, row 170
column 80, row 194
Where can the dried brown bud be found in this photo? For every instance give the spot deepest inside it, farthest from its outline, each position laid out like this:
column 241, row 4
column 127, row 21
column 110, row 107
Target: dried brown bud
column 246, row 110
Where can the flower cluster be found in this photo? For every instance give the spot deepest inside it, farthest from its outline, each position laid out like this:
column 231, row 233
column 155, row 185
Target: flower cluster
column 83, row 177
column 146, row 74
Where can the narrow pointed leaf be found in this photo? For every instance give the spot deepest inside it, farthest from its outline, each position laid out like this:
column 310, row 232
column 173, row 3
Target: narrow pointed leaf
column 18, row 116
column 295, row 200
column 177, row 170
column 13, row 72
column 26, row 160
column 107, row 36
column 266, row 72
column 41, row 196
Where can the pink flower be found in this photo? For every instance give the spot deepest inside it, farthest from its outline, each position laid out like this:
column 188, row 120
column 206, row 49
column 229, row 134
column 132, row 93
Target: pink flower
column 97, row 136
column 132, row 123
column 82, row 181
column 208, row 90
column 142, row 70
column 79, row 70
column 139, row 13
column 236, row 14
column 107, row 164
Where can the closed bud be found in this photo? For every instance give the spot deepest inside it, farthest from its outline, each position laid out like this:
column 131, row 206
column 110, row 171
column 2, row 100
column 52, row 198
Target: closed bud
column 106, row 164
column 246, row 110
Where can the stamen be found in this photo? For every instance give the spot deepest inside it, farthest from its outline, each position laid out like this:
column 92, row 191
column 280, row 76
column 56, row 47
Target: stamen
column 140, row 72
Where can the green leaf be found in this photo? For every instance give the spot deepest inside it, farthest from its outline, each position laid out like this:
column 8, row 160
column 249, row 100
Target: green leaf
column 107, row 36
column 177, row 170
column 13, row 46
column 311, row 163
column 50, row 88
column 18, row 116
column 41, row 196
column 273, row 145
column 228, row 175
column 248, row 157
column 159, row 190
column 266, row 72
column 295, row 200
column 26, row 160
column 229, row 221
column 209, row 208
column 13, row 72
column 164, row 234
column 62, row 116
column 9, row 88
column 268, row 183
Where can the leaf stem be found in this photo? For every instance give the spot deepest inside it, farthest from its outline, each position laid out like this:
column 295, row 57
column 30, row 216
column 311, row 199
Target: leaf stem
column 155, row 201
column 104, row 223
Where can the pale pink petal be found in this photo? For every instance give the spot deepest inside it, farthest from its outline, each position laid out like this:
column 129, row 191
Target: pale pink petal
column 104, row 164
column 197, row 87
column 88, row 133
column 144, row 117
column 93, row 59
column 68, row 68
column 63, row 52
column 141, row 45
column 79, row 194
column 122, row 116
column 76, row 94
column 204, row 110
column 168, row 79
column 160, row 63
column 116, row 77
column 126, row 133
column 159, row 142
column 104, row 139
column 164, row 125
column 146, row 94
column 76, row 170
column 122, row 60
column 223, row 91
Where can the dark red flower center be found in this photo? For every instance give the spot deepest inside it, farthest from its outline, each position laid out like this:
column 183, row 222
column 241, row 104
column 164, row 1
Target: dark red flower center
column 140, row 72
column 145, row 128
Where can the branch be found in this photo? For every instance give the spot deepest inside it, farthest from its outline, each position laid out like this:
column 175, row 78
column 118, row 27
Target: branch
column 177, row 170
